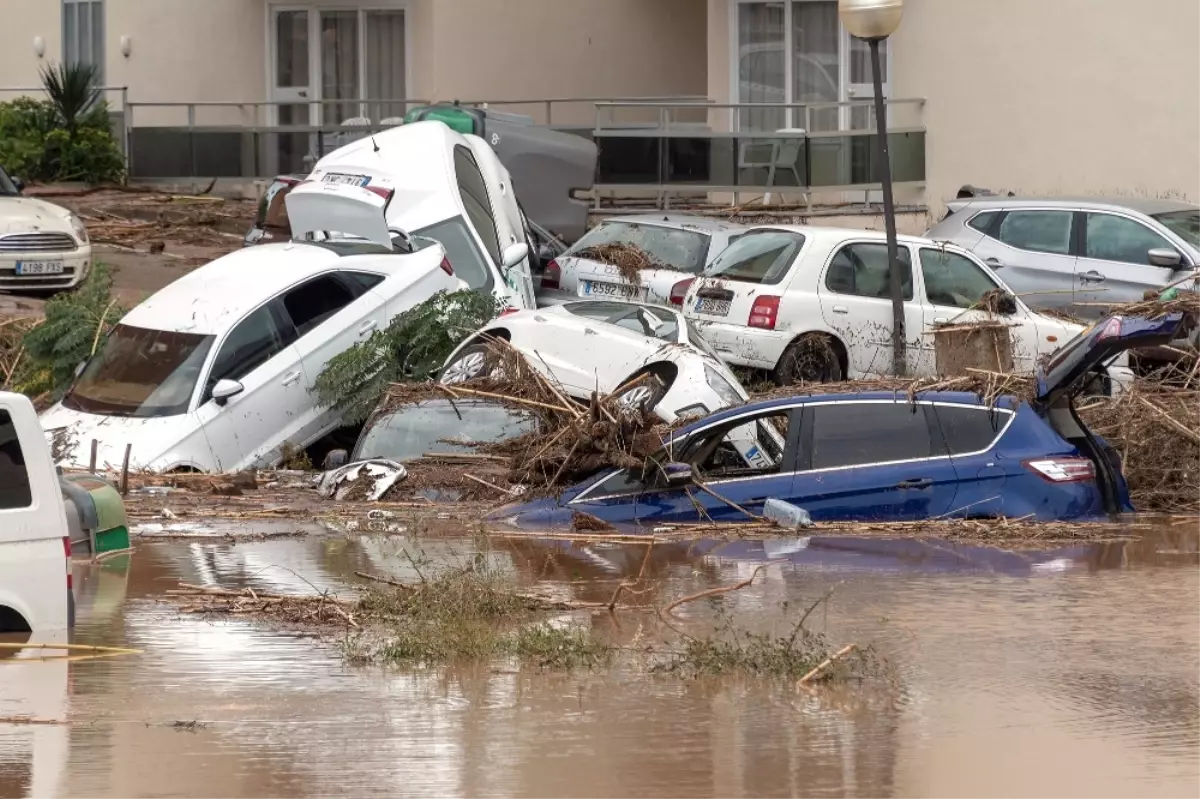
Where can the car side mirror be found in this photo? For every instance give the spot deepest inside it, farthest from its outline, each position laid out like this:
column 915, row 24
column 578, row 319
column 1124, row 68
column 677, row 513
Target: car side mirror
column 513, row 254
column 679, row 475
column 1164, row 256
column 224, row 389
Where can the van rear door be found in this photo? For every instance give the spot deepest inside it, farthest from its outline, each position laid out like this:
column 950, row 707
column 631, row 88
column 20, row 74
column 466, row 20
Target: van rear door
column 34, row 564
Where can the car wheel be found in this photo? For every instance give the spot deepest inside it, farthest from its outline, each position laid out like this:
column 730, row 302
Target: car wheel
column 809, row 359
column 644, row 396
column 472, row 363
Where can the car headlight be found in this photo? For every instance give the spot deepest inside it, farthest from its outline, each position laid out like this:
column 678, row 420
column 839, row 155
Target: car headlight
column 79, row 228
column 718, row 383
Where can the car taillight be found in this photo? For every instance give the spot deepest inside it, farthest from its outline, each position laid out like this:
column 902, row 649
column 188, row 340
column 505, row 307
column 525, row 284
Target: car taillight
column 1111, row 328
column 508, row 309
column 67, row 555
column 680, row 290
column 764, row 313
column 551, row 275
column 1063, row 470
column 446, row 267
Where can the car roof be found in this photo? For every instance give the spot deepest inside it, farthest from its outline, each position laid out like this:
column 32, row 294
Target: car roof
column 830, row 233
column 955, row 397
column 212, row 298
column 1144, row 205
column 700, row 224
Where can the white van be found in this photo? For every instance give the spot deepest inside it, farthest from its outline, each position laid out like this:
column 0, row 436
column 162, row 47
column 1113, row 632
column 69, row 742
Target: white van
column 35, row 547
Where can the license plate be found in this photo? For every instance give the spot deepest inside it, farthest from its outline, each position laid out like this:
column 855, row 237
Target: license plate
column 713, row 307
column 598, row 289
column 347, row 180
column 39, row 267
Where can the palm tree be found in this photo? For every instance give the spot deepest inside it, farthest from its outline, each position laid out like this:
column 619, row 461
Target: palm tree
column 73, row 91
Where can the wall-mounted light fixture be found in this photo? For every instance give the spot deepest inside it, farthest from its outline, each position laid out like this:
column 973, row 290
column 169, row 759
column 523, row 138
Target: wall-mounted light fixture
column 39, row 46
column 126, row 46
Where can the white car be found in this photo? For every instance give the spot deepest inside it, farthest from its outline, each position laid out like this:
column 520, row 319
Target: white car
column 448, row 187
column 593, row 345
column 813, row 303
column 35, row 543
column 42, row 245
column 685, row 243
column 213, row 372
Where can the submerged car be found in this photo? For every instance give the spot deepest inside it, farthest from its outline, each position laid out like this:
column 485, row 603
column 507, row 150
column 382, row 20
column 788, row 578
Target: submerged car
column 813, row 304
column 881, row 456
column 42, row 245
column 459, row 426
column 588, row 346
column 684, row 245
column 213, row 372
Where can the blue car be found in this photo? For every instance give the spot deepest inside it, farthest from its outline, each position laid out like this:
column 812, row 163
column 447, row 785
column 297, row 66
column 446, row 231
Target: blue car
column 879, row 456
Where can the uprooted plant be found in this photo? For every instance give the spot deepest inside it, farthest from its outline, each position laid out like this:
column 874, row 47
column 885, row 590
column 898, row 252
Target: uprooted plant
column 411, row 347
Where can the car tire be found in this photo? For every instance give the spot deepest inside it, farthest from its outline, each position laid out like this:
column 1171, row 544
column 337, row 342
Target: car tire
column 473, row 363
column 645, row 396
column 809, row 359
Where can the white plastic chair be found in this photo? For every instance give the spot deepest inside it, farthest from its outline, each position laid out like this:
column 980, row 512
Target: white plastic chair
column 784, row 154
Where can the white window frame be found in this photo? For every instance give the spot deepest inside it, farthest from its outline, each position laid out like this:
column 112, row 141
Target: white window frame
column 314, row 9
column 795, row 116
column 97, row 59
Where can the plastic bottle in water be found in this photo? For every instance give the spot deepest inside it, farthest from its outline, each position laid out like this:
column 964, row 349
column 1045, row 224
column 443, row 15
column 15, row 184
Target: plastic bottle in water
column 785, row 514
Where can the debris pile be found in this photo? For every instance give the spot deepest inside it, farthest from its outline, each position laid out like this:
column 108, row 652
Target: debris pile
column 629, row 259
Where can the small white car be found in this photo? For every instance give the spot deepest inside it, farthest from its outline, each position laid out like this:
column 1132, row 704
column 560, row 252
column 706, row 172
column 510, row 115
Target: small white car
column 685, row 243
column 42, row 245
column 35, row 544
column 595, row 345
column 813, row 304
column 448, row 187
column 213, row 372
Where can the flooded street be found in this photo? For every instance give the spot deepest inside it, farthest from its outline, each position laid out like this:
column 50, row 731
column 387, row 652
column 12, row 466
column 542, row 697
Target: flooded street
column 1067, row 670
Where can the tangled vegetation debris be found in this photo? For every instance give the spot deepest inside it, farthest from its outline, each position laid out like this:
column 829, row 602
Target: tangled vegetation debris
column 629, row 259
column 411, row 347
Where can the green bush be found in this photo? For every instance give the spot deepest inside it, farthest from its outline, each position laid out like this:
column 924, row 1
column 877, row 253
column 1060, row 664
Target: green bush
column 67, row 137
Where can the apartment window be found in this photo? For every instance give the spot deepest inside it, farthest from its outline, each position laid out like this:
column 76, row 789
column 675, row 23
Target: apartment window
column 83, row 34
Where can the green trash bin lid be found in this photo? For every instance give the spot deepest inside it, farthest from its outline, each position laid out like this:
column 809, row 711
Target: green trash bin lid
column 457, row 118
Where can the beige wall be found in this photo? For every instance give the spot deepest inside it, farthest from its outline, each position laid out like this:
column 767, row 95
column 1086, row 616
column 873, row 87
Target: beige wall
column 22, row 21
column 568, row 48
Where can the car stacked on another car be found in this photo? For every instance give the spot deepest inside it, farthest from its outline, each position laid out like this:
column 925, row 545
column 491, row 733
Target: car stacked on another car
column 42, row 245
column 683, row 245
column 213, row 372
column 814, row 304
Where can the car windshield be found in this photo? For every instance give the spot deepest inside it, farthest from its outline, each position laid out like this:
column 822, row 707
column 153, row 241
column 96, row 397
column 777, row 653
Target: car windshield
column 672, row 248
column 7, row 187
column 440, row 426
column 461, row 250
column 1184, row 224
column 658, row 323
column 272, row 210
column 141, row 372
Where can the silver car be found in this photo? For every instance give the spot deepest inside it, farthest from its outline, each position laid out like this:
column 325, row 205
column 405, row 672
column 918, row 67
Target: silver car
column 1076, row 254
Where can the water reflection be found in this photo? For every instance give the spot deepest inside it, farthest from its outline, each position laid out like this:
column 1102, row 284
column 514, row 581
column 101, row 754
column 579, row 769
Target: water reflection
column 1062, row 669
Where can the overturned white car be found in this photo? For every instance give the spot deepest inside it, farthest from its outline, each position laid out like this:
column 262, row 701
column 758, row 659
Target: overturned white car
column 213, row 372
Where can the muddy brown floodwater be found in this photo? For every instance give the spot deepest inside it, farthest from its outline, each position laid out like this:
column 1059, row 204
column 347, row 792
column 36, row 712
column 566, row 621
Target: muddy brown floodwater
column 1064, row 671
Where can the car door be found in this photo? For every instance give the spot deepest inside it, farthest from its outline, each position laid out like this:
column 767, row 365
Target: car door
column 330, row 313
column 473, row 194
column 855, row 296
column 968, row 433
column 729, row 483
column 1031, row 250
column 953, row 284
column 871, row 460
column 251, row 426
column 1114, row 265
column 509, row 219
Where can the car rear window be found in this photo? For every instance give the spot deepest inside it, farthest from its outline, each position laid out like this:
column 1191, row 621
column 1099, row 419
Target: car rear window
column 14, row 479
column 858, row 434
column 684, row 250
column 272, row 210
column 141, row 372
column 967, row 430
column 757, row 257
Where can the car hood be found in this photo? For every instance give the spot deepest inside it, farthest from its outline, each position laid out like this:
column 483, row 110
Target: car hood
column 151, row 440
column 25, row 214
column 1106, row 339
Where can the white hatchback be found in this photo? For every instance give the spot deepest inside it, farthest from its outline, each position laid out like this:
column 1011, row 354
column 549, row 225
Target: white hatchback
column 213, row 372
column 813, row 303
